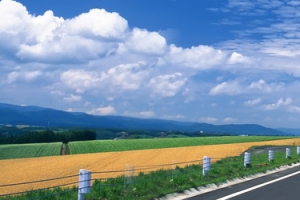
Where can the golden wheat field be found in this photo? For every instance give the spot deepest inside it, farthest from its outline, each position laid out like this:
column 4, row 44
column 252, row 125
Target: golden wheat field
column 32, row 169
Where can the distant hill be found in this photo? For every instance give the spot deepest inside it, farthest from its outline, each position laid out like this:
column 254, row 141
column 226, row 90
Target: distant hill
column 293, row 131
column 22, row 108
column 38, row 116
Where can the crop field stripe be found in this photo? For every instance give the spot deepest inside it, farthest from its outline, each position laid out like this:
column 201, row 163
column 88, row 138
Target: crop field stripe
column 140, row 144
column 40, row 150
column 29, row 150
column 32, row 169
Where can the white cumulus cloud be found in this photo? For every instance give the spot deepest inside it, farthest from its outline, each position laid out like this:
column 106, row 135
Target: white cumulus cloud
column 72, row 98
column 229, row 88
column 237, row 58
column 199, row 57
column 80, row 80
column 97, row 23
column 127, row 76
column 167, row 85
column 281, row 102
column 108, row 110
column 263, row 86
column 295, row 109
column 252, row 102
column 23, row 75
column 229, row 119
column 47, row 38
column 147, row 114
column 146, row 42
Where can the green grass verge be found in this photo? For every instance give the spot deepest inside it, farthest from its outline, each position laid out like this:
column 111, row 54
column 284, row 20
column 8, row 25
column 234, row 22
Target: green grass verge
column 140, row 144
column 29, row 150
column 159, row 183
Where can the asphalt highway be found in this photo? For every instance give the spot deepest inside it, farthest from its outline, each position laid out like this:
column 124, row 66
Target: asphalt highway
column 278, row 186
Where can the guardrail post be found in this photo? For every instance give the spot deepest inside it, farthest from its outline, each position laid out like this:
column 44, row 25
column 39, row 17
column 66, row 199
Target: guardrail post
column 271, row 155
column 288, row 152
column 298, row 150
column 206, row 165
column 84, row 184
column 247, row 159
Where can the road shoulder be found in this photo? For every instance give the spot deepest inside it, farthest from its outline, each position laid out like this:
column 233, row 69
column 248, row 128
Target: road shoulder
column 234, row 185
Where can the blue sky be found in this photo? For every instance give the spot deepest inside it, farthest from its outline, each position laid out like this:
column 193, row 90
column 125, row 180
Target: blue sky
column 219, row 62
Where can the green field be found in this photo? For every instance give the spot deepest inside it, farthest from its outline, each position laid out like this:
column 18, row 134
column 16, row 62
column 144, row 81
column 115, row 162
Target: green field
column 29, row 150
column 52, row 149
column 140, row 144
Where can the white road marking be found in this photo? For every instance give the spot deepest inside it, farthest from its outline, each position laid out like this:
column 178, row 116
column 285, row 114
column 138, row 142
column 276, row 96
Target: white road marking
column 258, row 186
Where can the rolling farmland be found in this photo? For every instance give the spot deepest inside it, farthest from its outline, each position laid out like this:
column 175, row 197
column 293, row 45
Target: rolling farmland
column 141, row 144
column 29, row 150
column 97, row 146
column 30, row 169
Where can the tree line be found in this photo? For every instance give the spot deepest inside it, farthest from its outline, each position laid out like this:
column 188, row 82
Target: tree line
column 49, row 136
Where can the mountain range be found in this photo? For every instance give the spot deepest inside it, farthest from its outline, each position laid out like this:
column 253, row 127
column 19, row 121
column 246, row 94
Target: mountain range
column 47, row 117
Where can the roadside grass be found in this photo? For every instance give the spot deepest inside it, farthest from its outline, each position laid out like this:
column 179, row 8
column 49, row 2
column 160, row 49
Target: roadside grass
column 161, row 182
column 96, row 146
column 10, row 151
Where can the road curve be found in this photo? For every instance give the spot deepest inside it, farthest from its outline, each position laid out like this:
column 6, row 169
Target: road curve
column 277, row 186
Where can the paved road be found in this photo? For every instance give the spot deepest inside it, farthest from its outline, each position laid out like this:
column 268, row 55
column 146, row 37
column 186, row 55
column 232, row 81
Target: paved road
column 288, row 188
